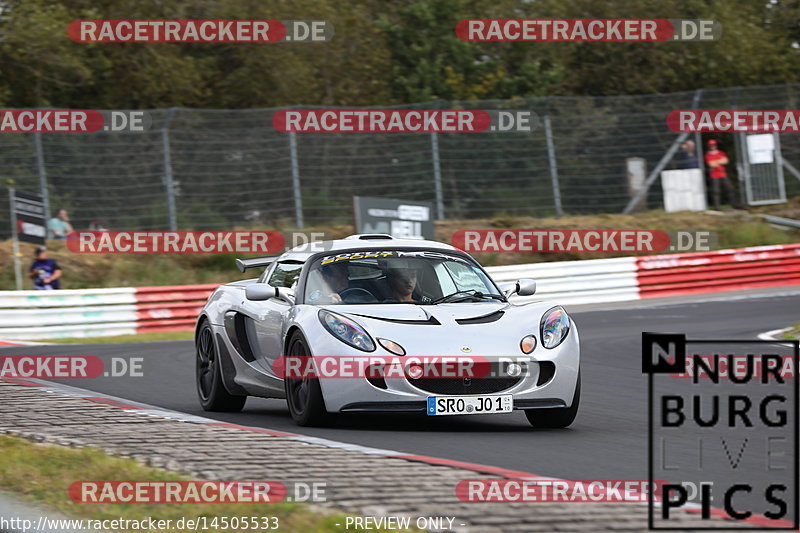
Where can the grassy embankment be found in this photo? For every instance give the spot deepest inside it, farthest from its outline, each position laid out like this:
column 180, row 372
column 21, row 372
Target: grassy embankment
column 792, row 333
column 732, row 230
column 41, row 475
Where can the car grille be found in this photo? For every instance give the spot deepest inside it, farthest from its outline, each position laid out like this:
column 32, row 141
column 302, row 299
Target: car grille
column 496, row 381
column 458, row 386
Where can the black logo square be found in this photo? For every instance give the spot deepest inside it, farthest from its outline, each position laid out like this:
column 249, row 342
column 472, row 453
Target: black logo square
column 663, row 353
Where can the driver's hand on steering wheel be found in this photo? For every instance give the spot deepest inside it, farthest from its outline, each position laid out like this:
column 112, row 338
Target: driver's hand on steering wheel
column 334, row 297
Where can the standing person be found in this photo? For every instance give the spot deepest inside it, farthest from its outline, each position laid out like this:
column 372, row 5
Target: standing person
column 59, row 226
column 715, row 162
column 687, row 157
column 45, row 273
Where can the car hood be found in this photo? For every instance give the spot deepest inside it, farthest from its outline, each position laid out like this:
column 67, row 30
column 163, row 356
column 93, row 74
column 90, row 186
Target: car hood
column 484, row 328
column 443, row 313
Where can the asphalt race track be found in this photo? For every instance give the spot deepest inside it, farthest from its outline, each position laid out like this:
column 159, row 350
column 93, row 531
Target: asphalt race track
column 607, row 441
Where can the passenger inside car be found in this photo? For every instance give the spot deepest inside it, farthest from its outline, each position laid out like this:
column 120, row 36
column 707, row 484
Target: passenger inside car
column 402, row 282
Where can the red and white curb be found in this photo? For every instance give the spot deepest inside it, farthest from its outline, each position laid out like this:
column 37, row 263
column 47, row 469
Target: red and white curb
column 23, row 343
column 150, row 410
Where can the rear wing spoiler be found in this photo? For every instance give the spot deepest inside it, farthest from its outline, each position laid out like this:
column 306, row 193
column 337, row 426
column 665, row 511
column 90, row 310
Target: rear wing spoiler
column 255, row 262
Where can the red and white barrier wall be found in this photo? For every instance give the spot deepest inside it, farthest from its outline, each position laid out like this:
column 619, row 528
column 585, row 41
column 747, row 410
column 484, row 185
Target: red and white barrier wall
column 35, row 315
column 722, row 270
column 633, row 278
column 99, row 312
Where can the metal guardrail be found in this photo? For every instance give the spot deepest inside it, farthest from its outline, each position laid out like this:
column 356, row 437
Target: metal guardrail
column 785, row 223
column 35, row 315
column 100, row 312
column 576, row 282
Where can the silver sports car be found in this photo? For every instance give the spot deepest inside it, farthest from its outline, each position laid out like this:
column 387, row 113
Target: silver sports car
column 359, row 309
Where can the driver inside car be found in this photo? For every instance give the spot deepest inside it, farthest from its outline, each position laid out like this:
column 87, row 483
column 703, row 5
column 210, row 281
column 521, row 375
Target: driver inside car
column 335, row 277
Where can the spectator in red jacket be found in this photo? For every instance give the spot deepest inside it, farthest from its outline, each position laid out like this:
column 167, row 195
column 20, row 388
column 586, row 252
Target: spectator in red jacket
column 715, row 163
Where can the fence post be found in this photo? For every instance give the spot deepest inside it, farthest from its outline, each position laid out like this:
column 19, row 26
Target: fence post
column 653, row 176
column 40, row 169
column 298, row 198
column 698, row 137
column 637, row 170
column 168, row 182
column 551, row 157
column 437, row 175
column 15, row 240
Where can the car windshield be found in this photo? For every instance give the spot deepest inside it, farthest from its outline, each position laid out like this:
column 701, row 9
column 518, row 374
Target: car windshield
column 417, row 277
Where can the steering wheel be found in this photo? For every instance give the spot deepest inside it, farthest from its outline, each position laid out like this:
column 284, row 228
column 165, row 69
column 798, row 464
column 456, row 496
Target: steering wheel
column 357, row 295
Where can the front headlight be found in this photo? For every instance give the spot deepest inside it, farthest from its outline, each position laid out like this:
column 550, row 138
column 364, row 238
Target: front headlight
column 346, row 331
column 554, row 327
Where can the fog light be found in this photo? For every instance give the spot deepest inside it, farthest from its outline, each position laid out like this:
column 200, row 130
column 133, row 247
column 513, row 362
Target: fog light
column 514, row 369
column 414, row 371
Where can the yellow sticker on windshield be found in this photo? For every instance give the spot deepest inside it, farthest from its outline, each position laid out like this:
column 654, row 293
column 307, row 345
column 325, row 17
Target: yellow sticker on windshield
column 355, row 255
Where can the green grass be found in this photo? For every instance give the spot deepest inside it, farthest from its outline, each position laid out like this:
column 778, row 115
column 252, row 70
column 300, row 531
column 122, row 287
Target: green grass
column 792, row 333
column 734, row 229
column 731, row 229
column 41, row 475
column 140, row 337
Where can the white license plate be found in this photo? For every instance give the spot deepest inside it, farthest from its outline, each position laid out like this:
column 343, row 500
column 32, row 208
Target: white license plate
column 469, row 405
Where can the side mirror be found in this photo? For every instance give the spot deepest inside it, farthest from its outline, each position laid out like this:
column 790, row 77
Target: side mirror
column 523, row 287
column 526, row 287
column 259, row 292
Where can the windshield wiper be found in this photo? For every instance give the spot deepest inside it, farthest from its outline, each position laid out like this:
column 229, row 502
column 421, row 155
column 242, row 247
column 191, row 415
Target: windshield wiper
column 471, row 293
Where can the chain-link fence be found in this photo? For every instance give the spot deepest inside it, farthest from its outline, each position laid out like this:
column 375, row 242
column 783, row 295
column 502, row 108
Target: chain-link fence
column 213, row 169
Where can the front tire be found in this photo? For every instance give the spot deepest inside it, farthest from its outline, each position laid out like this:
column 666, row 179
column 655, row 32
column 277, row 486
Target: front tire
column 559, row 417
column 304, row 395
column 208, row 374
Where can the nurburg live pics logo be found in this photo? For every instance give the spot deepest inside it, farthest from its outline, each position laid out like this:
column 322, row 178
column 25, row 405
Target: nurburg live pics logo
column 725, row 440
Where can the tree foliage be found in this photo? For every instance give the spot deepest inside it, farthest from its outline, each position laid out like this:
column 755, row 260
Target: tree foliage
column 382, row 53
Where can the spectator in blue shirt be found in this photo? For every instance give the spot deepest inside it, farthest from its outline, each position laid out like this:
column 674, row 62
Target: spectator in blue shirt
column 59, row 225
column 687, row 156
column 44, row 272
